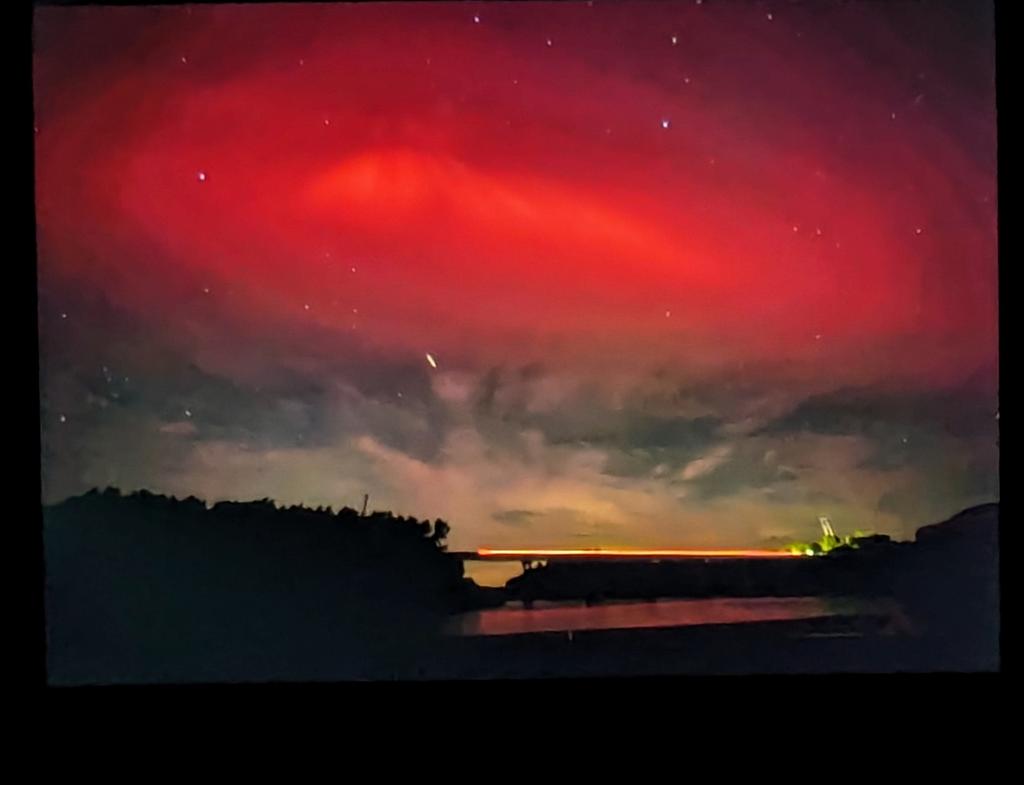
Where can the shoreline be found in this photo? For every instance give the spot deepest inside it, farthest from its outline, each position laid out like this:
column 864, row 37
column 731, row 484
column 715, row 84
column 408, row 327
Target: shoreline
column 826, row 644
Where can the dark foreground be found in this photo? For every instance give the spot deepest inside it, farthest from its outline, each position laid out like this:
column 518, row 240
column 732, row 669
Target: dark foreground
column 811, row 647
column 146, row 589
column 817, row 646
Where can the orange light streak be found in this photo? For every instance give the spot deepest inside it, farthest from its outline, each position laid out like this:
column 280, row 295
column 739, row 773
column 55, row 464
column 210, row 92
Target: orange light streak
column 700, row 553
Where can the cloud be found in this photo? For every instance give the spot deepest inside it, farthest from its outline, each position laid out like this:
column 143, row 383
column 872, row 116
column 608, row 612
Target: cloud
column 966, row 410
column 514, row 517
column 182, row 428
column 522, row 451
column 565, row 486
column 453, row 387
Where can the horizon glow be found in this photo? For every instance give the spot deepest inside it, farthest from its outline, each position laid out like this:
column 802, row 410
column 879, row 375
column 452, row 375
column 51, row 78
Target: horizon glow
column 649, row 273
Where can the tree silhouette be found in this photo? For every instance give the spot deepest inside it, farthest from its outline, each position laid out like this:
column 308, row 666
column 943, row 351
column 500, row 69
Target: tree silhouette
column 149, row 587
column 441, row 530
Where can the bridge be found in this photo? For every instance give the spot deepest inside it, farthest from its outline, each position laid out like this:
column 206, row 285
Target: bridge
column 618, row 554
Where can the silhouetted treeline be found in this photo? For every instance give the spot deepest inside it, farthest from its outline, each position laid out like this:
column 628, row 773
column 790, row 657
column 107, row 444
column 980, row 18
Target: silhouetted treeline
column 947, row 579
column 868, row 572
column 152, row 588
column 628, row 579
column 147, row 588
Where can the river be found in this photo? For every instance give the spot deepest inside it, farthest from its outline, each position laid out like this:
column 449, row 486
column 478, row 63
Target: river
column 513, row 618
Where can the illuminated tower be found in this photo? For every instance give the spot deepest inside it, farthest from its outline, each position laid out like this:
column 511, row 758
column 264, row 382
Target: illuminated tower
column 830, row 540
column 826, row 526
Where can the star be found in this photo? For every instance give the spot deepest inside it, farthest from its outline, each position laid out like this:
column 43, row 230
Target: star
column 665, row 123
column 817, row 336
column 184, row 59
column 770, row 17
column 326, row 121
column 686, row 80
column 201, row 176
column 188, row 412
column 675, row 40
column 63, row 316
column 476, row 20
column 206, row 290
column 818, row 231
column 63, row 418
column 796, row 228
column 893, row 116
column 431, row 360
column 668, row 314
column 549, row 42
column 918, row 230
column 306, row 306
column 353, row 269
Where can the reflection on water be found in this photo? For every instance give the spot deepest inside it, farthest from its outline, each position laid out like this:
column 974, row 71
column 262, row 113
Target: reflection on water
column 560, row 617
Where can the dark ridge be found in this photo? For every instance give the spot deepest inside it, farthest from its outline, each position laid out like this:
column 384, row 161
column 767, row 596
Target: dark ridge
column 951, row 581
column 974, row 523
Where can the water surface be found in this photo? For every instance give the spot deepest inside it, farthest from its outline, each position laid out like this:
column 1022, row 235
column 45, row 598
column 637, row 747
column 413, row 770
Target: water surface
column 514, row 619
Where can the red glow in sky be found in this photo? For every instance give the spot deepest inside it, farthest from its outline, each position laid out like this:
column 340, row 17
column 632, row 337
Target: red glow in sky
column 488, row 187
column 574, row 209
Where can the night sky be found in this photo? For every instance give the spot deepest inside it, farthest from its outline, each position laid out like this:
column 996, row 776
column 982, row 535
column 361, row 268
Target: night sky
column 666, row 274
